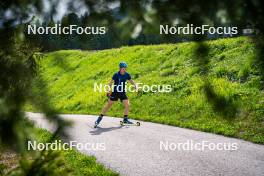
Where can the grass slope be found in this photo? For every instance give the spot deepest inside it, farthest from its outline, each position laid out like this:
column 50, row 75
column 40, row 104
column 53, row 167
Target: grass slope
column 79, row 164
column 71, row 162
column 232, row 72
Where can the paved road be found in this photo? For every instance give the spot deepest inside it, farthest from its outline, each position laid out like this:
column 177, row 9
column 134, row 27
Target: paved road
column 138, row 151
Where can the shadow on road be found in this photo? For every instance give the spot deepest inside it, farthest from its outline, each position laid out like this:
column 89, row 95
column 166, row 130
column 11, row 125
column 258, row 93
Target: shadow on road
column 99, row 130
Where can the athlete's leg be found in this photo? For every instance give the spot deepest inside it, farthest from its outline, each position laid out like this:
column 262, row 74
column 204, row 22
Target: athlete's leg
column 126, row 105
column 104, row 111
column 107, row 107
column 126, row 111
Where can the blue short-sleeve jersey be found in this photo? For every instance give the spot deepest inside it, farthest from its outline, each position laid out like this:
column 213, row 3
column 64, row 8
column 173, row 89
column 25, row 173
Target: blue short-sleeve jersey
column 120, row 81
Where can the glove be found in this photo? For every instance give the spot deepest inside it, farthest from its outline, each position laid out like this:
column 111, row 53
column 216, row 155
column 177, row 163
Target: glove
column 108, row 94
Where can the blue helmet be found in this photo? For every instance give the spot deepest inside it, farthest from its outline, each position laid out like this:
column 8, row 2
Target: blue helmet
column 122, row 65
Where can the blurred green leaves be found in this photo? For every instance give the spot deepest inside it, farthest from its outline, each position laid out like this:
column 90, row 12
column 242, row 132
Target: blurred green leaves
column 20, row 83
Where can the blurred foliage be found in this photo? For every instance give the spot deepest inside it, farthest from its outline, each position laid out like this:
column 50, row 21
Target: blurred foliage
column 18, row 69
column 18, row 57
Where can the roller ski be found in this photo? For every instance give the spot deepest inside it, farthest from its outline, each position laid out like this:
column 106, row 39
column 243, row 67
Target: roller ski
column 126, row 122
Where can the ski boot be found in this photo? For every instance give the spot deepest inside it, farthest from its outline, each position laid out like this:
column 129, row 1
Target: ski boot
column 97, row 121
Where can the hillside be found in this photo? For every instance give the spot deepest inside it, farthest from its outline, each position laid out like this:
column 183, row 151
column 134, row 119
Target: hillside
column 71, row 74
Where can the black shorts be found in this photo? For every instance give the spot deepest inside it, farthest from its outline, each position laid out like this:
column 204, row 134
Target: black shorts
column 118, row 95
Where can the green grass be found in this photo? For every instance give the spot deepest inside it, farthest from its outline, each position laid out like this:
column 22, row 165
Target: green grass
column 232, row 72
column 66, row 162
column 79, row 164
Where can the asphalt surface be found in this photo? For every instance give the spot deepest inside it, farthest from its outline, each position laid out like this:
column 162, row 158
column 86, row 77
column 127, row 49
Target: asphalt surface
column 141, row 151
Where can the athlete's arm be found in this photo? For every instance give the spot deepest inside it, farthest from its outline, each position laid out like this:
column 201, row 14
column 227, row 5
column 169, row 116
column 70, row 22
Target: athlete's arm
column 108, row 93
column 134, row 84
column 110, row 83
